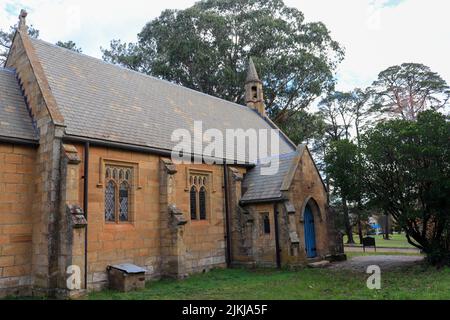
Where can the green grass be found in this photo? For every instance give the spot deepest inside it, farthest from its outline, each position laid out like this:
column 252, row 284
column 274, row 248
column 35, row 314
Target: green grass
column 417, row 282
column 397, row 241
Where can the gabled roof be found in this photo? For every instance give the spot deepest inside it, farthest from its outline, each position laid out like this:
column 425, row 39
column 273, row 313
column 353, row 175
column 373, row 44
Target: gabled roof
column 267, row 187
column 103, row 101
column 261, row 188
column 15, row 121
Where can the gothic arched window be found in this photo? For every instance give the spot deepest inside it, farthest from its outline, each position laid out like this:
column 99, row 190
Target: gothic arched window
column 193, row 203
column 202, row 203
column 199, row 183
column 110, row 202
column 118, row 193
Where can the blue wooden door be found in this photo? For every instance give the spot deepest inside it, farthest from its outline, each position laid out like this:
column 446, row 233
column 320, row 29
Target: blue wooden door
column 310, row 233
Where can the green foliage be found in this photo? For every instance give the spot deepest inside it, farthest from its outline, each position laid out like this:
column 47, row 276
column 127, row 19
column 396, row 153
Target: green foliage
column 69, row 45
column 407, row 173
column 410, row 88
column 343, row 168
column 6, row 38
column 304, row 127
column 207, row 46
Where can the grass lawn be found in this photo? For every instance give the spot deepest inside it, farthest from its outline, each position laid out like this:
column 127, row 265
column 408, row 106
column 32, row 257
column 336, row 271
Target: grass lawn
column 418, row 282
column 397, row 241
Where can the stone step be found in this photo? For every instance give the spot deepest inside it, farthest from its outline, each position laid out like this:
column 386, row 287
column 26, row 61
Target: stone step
column 319, row 264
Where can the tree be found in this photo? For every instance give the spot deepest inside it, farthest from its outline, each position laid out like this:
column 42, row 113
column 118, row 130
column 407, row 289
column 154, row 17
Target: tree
column 6, row 38
column 304, row 127
column 410, row 88
column 407, row 173
column 207, row 46
column 69, row 45
column 335, row 108
column 342, row 168
column 363, row 111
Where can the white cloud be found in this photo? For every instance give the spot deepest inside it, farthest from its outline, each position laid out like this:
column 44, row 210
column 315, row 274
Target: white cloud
column 90, row 23
column 379, row 34
column 375, row 33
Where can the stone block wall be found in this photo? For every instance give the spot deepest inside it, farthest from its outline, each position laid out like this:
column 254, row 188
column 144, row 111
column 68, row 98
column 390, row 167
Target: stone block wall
column 134, row 242
column 307, row 188
column 17, row 165
column 204, row 239
column 49, row 125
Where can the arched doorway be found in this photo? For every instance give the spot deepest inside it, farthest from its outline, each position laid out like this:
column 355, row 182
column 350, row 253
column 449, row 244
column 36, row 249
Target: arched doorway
column 310, row 233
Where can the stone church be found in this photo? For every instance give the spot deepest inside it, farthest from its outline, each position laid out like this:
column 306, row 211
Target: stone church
column 87, row 179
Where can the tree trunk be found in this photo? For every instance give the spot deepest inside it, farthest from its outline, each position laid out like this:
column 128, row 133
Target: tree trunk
column 386, row 227
column 360, row 233
column 348, row 226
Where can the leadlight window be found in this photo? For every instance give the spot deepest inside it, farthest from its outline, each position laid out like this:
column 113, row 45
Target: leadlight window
column 123, row 201
column 110, row 202
column 202, row 203
column 199, row 196
column 266, row 223
column 118, row 193
column 193, row 202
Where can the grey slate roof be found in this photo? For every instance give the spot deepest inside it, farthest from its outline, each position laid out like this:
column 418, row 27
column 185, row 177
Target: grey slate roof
column 262, row 187
column 103, row 101
column 15, row 121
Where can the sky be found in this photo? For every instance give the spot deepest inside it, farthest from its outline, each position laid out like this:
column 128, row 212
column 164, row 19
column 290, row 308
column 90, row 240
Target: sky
column 376, row 34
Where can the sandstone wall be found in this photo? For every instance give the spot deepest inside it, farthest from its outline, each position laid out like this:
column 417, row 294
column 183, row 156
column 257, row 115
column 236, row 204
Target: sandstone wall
column 16, row 201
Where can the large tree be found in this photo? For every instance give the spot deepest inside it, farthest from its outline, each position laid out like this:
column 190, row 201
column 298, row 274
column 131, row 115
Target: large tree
column 335, row 108
column 407, row 173
column 207, row 46
column 342, row 169
column 410, row 88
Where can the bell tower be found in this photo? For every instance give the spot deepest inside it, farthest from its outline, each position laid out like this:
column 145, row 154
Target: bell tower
column 254, row 97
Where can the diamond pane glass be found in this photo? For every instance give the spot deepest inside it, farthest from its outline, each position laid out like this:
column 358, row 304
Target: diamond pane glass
column 110, row 202
column 123, row 202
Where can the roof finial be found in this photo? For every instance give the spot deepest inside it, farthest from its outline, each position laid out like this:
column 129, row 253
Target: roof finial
column 22, row 19
column 252, row 75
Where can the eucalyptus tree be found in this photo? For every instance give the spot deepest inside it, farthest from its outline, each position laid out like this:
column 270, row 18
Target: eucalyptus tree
column 207, row 47
column 410, row 88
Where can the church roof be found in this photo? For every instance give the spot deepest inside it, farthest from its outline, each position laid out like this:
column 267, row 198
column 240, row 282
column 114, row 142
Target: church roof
column 107, row 102
column 263, row 187
column 15, row 122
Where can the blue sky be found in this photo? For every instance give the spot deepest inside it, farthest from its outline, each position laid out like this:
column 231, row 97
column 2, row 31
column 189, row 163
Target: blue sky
column 375, row 33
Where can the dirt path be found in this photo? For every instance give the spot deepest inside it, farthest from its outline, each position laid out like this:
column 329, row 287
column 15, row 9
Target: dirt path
column 387, row 262
column 382, row 249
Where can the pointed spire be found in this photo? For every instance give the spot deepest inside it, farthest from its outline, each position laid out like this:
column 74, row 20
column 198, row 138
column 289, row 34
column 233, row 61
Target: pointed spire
column 22, row 19
column 252, row 75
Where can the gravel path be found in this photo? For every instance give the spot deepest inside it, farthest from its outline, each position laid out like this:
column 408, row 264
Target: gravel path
column 387, row 262
column 382, row 249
